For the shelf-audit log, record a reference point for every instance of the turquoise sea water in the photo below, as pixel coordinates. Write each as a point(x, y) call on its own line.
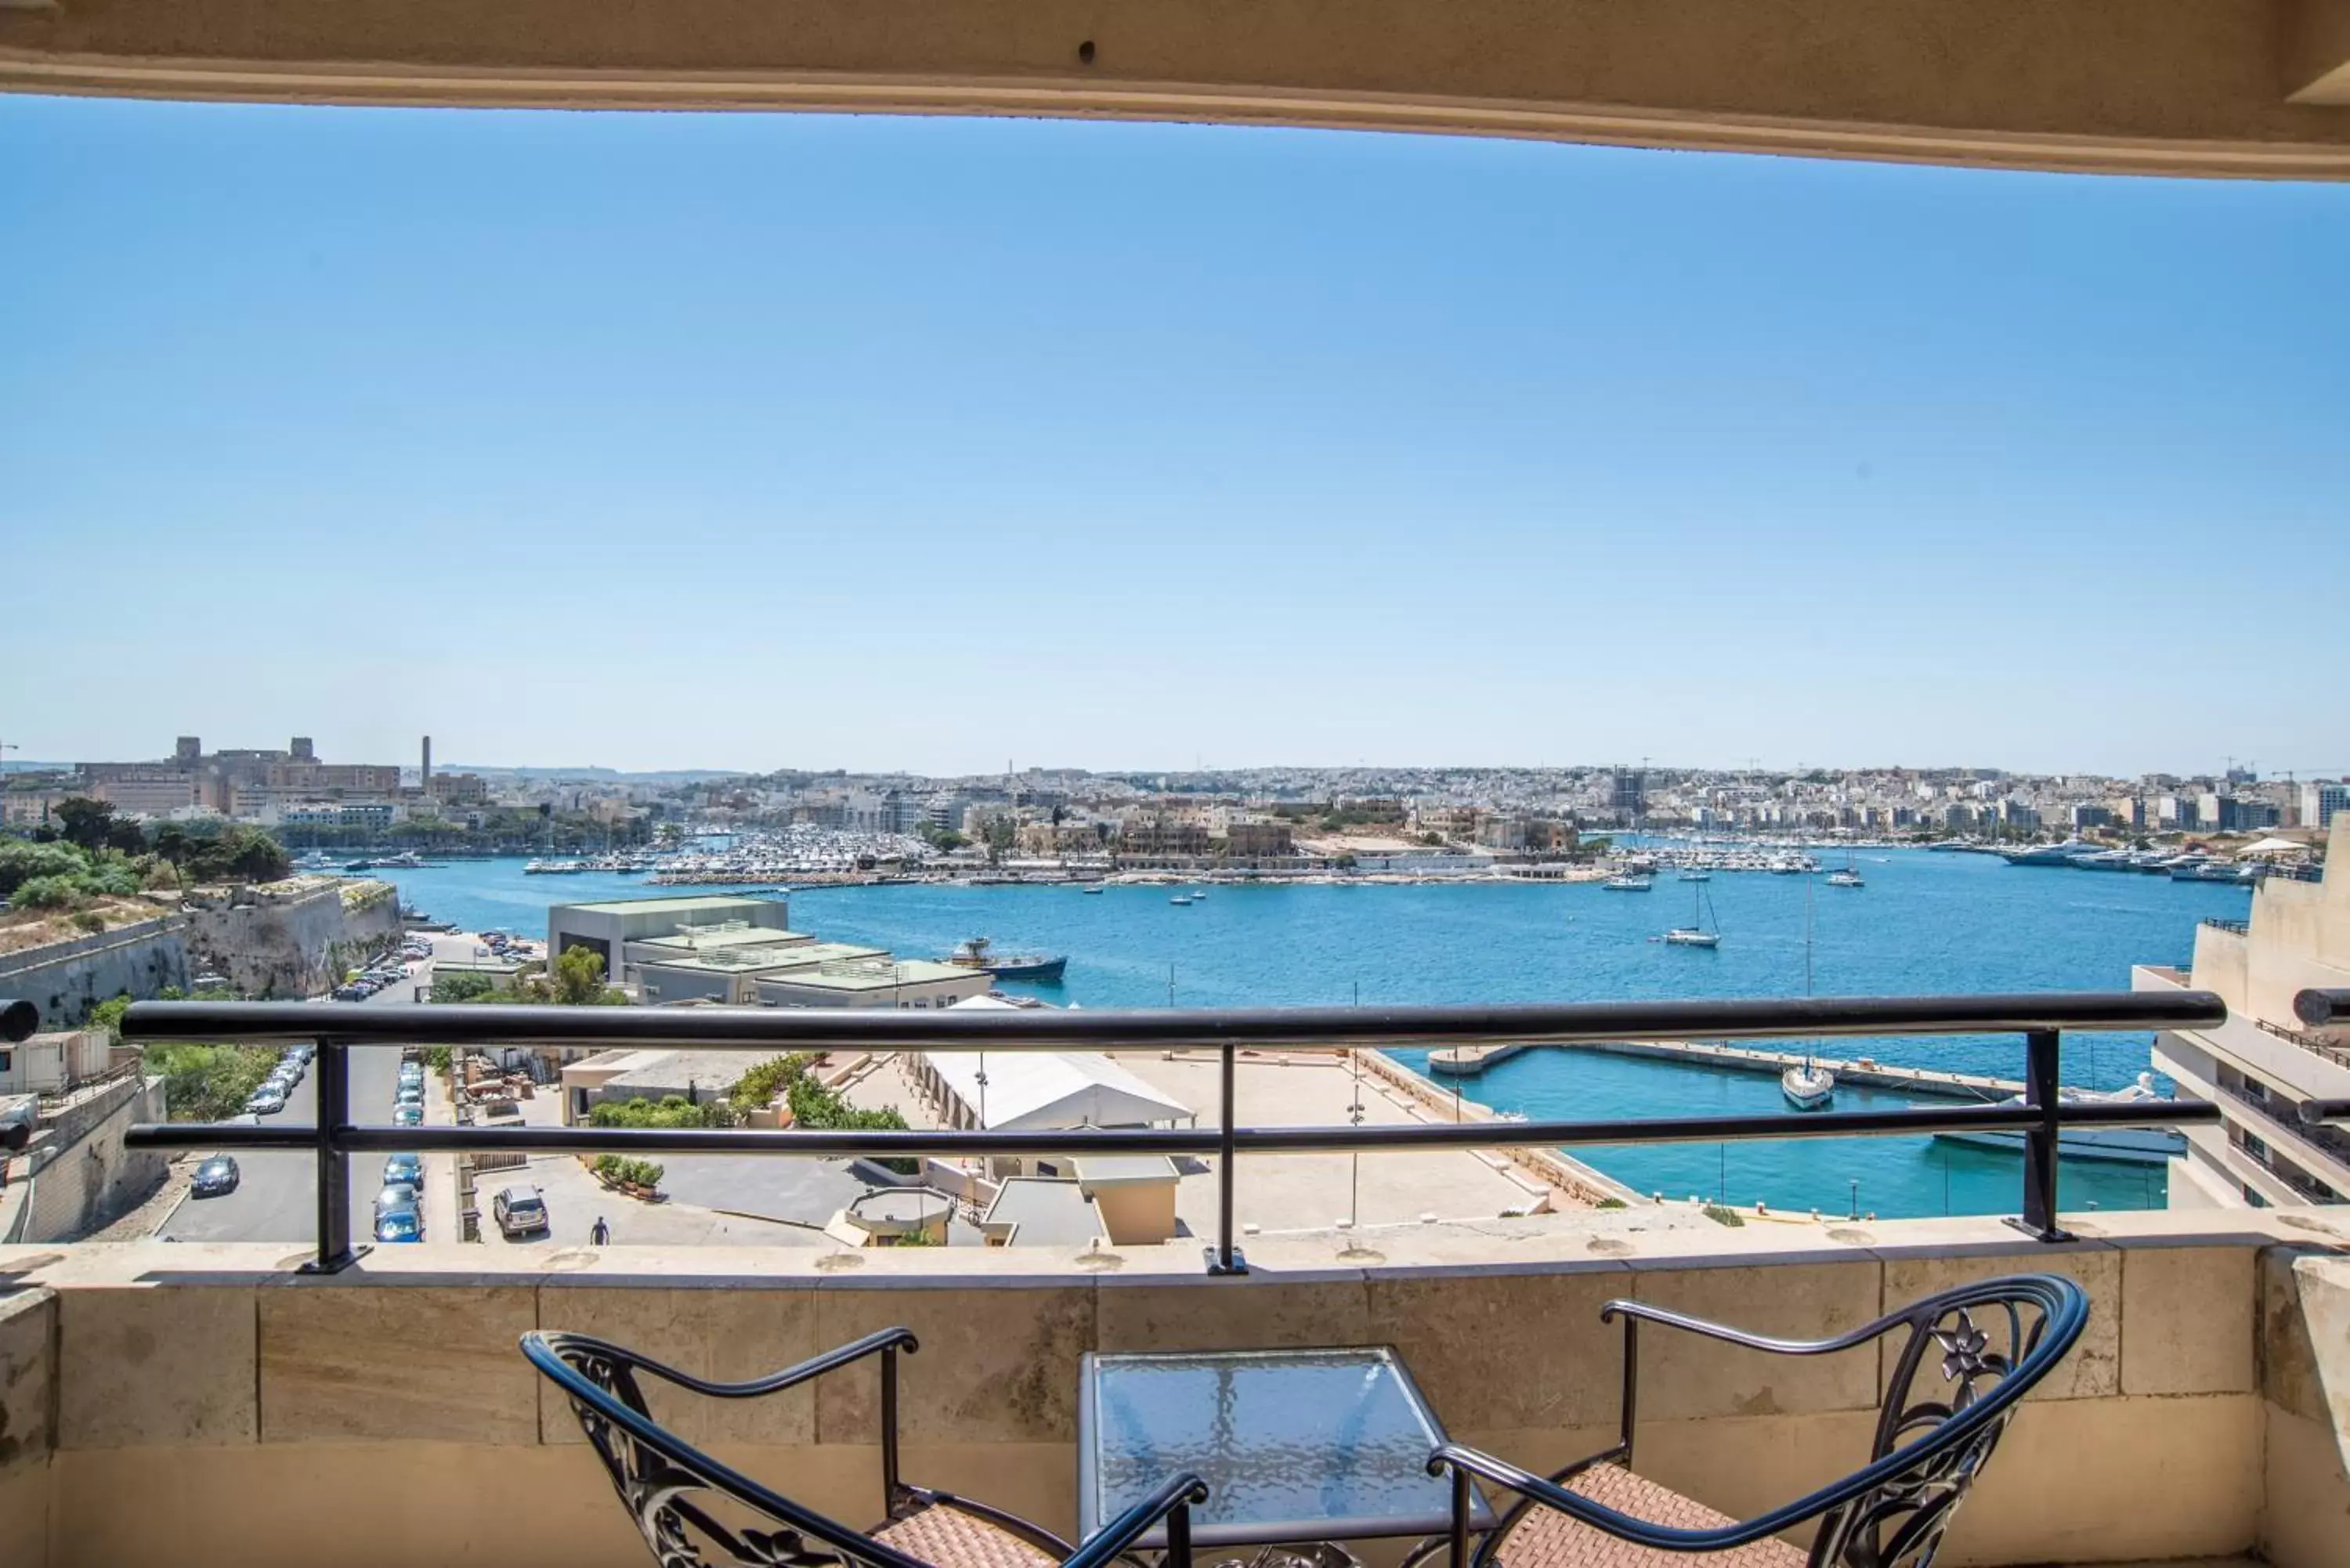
point(1925, 923)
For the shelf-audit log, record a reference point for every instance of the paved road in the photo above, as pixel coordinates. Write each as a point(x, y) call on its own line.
point(277, 1199)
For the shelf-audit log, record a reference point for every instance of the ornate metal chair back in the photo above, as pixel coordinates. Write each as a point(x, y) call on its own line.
point(691, 1509)
point(1970, 1353)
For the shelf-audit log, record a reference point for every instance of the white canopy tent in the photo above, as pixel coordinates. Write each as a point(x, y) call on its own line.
point(1028, 1090)
point(2267, 848)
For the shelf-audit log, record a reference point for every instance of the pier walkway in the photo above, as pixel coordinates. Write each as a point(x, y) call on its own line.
point(1468, 1061)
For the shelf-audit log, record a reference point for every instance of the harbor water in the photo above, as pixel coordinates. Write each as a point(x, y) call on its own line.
point(1925, 923)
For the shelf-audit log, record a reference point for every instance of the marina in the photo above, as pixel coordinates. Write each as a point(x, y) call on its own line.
point(1928, 924)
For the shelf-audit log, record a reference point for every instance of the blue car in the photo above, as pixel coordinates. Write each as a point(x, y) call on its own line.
point(214, 1177)
point(400, 1225)
point(404, 1169)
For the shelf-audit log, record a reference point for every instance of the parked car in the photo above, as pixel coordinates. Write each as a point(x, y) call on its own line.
point(409, 1095)
point(400, 1225)
point(404, 1171)
point(396, 1195)
point(350, 993)
point(519, 1210)
point(411, 1071)
point(214, 1177)
point(408, 1115)
point(266, 1100)
point(302, 1052)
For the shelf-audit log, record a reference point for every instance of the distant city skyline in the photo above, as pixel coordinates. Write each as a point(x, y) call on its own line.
point(1655, 765)
point(686, 440)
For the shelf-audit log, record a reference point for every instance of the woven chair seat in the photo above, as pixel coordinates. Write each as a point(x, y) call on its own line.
point(1546, 1538)
point(946, 1537)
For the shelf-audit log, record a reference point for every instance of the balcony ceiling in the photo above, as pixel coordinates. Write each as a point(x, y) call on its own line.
point(2236, 88)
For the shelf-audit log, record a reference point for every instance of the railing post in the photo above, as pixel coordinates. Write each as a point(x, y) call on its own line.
point(2043, 1093)
point(1223, 1258)
point(333, 1117)
point(893, 1493)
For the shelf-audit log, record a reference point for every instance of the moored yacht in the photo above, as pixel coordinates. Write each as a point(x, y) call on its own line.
point(1808, 1086)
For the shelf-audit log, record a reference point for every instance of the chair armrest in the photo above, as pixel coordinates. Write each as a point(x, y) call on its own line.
point(775, 1382)
point(1711, 1330)
point(1172, 1501)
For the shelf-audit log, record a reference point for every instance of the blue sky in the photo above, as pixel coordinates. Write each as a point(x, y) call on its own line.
point(683, 440)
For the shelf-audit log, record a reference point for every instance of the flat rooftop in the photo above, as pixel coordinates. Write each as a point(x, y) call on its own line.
point(730, 935)
point(702, 903)
point(1044, 1211)
point(871, 975)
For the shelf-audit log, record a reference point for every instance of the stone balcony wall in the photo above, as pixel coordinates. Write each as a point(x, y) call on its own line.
point(164, 1402)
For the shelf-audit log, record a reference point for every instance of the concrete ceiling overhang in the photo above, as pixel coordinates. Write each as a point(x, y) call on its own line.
point(2227, 87)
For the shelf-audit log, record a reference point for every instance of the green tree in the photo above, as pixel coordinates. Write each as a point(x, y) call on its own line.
point(172, 842)
point(578, 980)
point(209, 1083)
point(107, 1015)
point(86, 822)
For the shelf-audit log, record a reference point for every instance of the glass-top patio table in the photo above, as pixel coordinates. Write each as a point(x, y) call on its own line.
point(1294, 1445)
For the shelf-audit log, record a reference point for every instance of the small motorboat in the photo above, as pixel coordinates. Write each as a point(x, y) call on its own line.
point(1691, 937)
point(1845, 879)
point(1091, 887)
point(1627, 884)
point(1179, 898)
point(1808, 1087)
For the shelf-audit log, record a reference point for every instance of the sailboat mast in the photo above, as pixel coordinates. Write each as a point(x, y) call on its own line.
point(1807, 956)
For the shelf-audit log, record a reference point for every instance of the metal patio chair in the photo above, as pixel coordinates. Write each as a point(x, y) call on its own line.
point(693, 1511)
point(1994, 1340)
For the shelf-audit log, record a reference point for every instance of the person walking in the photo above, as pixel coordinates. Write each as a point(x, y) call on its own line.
point(601, 1235)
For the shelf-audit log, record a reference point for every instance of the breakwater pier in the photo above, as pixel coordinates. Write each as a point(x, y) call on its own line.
point(1469, 1061)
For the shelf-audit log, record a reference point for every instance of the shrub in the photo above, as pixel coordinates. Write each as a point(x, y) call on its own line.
point(462, 987)
point(20, 862)
point(764, 1082)
point(672, 1111)
point(1721, 1216)
point(1611, 1203)
point(814, 1105)
point(619, 1169)
point(44, 893)
point(90, 920)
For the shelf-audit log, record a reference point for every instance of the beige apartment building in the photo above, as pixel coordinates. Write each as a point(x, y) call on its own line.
point(2261, 1064)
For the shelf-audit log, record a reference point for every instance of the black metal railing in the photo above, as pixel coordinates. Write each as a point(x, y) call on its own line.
point(2240, 928)
point(2040, 1019)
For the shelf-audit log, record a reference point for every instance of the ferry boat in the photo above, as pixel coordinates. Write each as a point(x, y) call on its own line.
point(2121, 1145)
point(977, 954)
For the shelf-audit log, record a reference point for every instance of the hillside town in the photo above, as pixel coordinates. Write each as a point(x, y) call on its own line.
point(1273, 819)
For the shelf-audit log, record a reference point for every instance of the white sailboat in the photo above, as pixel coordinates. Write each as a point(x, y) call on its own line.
point(1694, 934)
point(1848, 877)
point(1808, 1086)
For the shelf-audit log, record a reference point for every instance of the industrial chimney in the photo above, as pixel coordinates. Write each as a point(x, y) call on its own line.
point(427, 782)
